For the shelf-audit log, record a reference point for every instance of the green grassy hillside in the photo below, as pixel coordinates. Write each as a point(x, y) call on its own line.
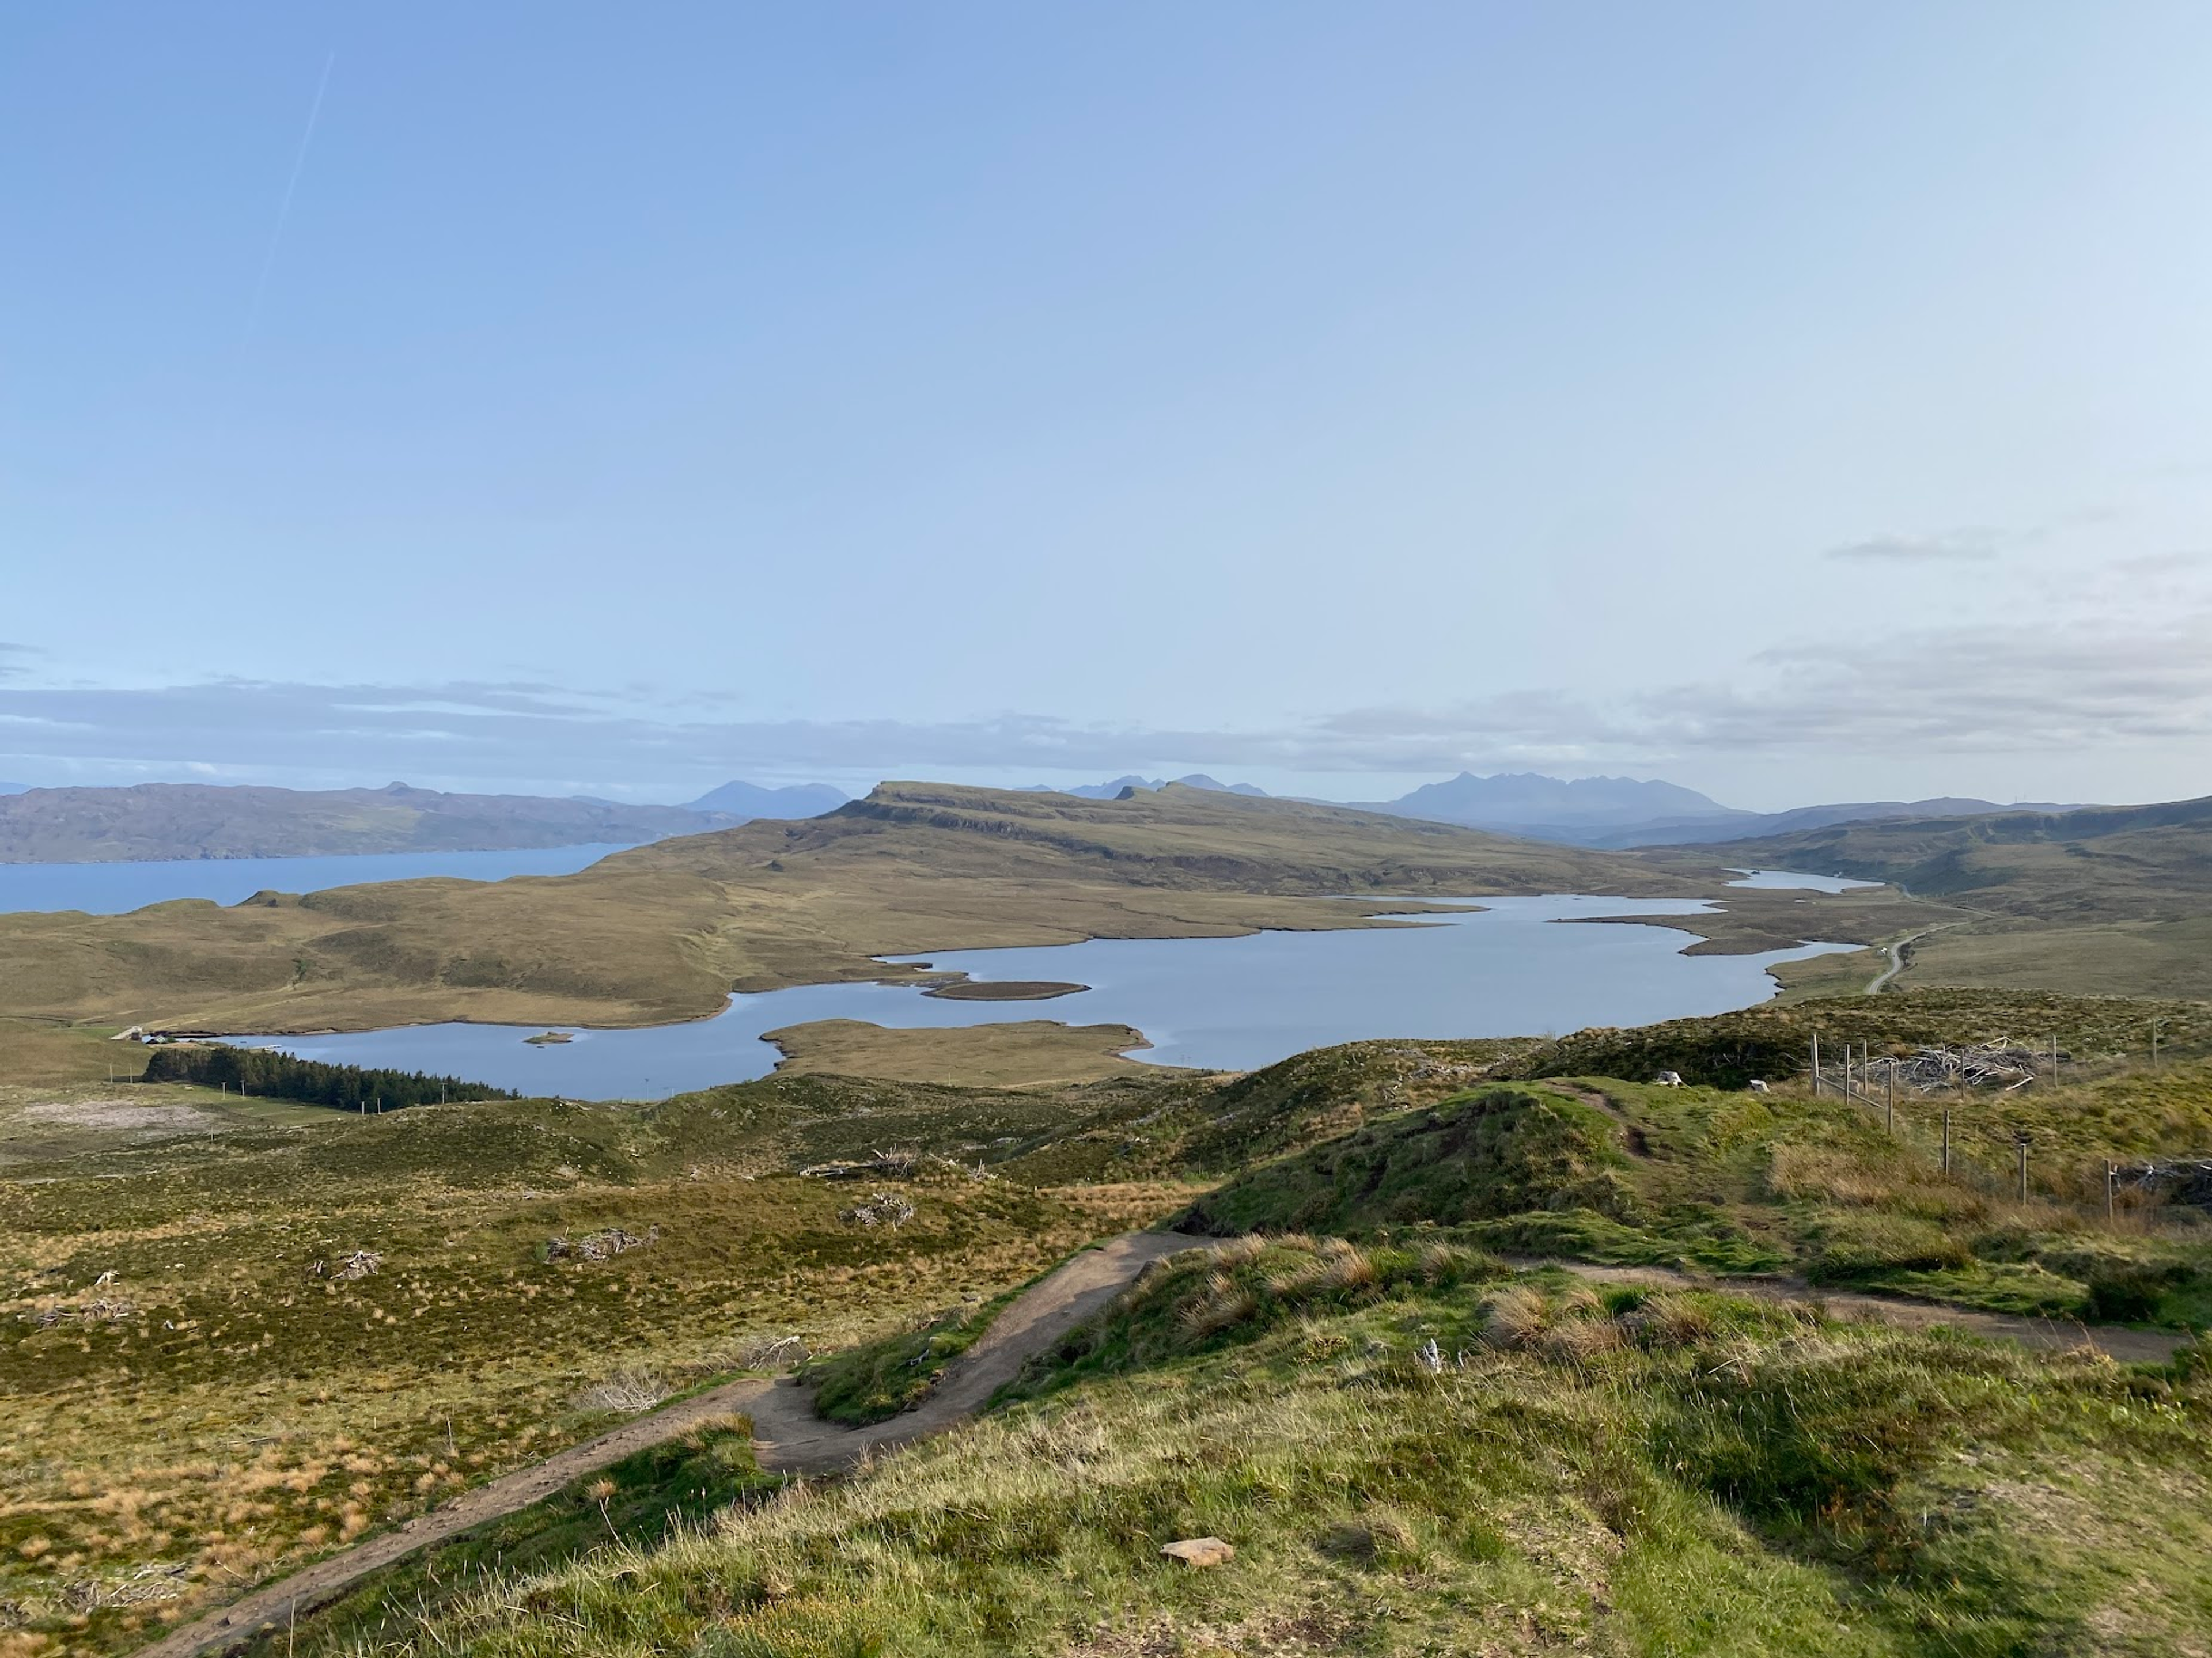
point(1774, 1040)
point(1729, 1181)
point(1412, 1451)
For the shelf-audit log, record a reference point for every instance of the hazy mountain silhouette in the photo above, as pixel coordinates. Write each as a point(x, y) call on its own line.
point(738, 798)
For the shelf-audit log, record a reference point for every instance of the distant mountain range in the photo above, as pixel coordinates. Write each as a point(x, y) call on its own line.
point(1197, 780)
point(163, 821)
point(1614, 813)
point(15, 788)
point(750, 800)
point(1576, 810)
point(158, 822)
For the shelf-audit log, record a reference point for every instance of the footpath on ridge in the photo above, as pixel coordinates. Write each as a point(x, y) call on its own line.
point(788, 1437)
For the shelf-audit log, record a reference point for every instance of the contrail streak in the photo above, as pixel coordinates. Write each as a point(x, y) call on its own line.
point(292, 184)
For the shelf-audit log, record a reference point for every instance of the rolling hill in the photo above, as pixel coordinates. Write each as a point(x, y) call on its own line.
point(2115, 899)
point(667, 931)
point(2098, 863)
point(1743, 826)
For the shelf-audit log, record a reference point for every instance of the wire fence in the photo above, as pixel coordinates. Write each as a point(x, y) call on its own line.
point(1938, 1102)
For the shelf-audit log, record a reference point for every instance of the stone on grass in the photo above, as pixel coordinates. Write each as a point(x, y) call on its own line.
point(1201, 1551)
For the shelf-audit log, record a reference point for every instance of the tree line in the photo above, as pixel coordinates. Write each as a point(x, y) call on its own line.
point(281, 1076)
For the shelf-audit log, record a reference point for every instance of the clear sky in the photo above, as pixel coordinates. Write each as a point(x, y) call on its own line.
point(1799, 402)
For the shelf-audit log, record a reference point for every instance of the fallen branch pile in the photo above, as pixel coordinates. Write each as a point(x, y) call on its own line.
point(599, 1246)
point(2178, 1180)
point(1979, 1064)
point(891, 1209)
point(896, 1165)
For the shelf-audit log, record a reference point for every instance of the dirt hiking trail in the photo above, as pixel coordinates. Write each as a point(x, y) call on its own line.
point(787, 1437)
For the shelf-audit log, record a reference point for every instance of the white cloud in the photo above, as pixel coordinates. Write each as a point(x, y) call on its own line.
point(1992, 683)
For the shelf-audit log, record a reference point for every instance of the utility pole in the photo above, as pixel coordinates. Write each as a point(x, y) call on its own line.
point(1816, 1064)
point(2111, 1179)
point(1889, 1112)
point(1947, 1139)
point(2021, 1147)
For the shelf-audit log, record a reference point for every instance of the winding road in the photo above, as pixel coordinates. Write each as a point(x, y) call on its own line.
point(1880, 980)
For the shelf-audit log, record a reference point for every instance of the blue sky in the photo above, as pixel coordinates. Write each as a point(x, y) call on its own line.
point(1800, 403)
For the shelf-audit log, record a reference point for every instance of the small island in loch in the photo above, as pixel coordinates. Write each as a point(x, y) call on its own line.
point(1009, 990)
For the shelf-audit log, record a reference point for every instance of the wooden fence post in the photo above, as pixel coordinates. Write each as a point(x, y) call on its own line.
point(1947, 1139)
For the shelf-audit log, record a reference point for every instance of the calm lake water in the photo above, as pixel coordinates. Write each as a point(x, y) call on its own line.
point(112, 889)
point(1232, 1004)
point(1790, 879)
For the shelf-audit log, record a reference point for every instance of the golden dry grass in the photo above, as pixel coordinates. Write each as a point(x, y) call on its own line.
point(1033, 1054)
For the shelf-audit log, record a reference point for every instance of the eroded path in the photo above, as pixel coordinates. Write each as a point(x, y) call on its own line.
point(786, 1435)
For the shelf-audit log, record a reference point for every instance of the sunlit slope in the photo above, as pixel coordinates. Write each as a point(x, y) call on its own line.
point(665, 932)
point(1411, 1450)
